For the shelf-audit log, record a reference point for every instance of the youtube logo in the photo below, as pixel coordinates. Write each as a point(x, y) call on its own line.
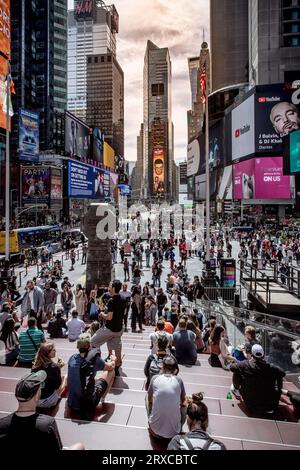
point(237, 133)
point(262, 100)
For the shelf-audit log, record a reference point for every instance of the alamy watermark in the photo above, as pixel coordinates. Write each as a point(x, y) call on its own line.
point(158, 221)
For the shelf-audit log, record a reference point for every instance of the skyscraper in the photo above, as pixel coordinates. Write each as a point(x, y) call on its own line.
point(229, 42)
point(90, 33)
point(39, 62)
point(158, 127)
point(105, 99)
point(137, 172)
point(274, 40)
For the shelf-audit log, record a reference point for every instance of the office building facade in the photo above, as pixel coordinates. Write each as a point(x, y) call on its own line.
point(92, 34)
point(229, 43)
point(158, 154)
point(39, 63)
point(105, 99)
point(274, 41)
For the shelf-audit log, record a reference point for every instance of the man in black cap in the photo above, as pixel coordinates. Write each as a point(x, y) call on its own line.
point(24, 428)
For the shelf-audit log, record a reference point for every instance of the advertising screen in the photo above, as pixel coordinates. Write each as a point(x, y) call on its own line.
point(243, 129)
point(77, 137)
point(276, 115)
point(84, 10)
point(98, 145)
point(158, 170)
point(87, 182)
point(56, 184)
point(125, 190)
point(294, 152)
point(216, 144)
point(5, 40)
point(228, 273)
point(102, 184)
point(28, 135)
point(261, 178)
point(35, 185)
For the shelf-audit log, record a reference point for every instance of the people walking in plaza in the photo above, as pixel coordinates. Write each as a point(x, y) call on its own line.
point(73, 259)
point(32, 303)
point(84, 253)
point(126, 270)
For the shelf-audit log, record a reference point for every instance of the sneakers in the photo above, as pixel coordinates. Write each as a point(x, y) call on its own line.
point(236, 393)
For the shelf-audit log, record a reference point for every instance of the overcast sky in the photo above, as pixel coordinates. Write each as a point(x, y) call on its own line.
point(177, 24)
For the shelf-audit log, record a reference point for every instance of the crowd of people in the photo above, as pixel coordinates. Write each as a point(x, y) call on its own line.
point(170, 305)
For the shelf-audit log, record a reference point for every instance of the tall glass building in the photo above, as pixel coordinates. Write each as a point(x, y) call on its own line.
point(89, 34)
point(39, 62)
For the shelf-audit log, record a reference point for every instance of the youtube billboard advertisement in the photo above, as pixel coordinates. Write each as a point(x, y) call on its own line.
point(261, 178)
point(260, 122)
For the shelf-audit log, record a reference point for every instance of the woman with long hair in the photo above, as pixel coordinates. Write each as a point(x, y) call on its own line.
point(54, 384)
point(219, 353)
point(93, 306)
point(9, 343)
point(197, 421)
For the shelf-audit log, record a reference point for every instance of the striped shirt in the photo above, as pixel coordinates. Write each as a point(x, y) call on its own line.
point(27, 349)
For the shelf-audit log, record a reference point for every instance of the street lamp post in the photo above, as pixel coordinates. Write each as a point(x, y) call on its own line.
point(7, 166)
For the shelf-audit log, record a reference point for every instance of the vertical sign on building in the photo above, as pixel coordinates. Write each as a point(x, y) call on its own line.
point(5, 42)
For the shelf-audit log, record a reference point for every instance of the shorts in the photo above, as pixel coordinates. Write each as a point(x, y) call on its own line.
point(112, 339)
point(50, 401)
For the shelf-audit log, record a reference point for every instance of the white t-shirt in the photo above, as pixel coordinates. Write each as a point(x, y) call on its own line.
point(75, 328)
point(165, 417)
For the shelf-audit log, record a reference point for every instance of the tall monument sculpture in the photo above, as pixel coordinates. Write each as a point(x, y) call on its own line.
point(99, 268)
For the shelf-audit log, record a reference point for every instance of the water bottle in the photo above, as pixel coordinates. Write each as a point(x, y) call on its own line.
point(229, 395)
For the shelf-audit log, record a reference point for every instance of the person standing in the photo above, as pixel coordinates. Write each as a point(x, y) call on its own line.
point(73, 259)
point(50, 298)
point(80, 301)
point(126, 270)
point(84, 253)
point(32, 302)
point(136, 309)
point(148, 254)
point(67, 299)
point(113, 330)
point(161, 300)
point(126, 296)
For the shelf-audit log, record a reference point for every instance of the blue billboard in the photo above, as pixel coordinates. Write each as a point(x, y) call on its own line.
point(29, 136)
point(87, 182)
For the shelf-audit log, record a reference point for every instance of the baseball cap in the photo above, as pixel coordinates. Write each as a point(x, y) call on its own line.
point(84, 342)
point(27, 387)
point(257, 351)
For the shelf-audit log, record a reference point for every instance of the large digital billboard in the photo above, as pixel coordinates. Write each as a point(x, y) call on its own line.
point(158, 170)
point(77, 137)
point(56, 184)
point(5, 44)
point(261, 178)
point(87, 182)
point(276, 115)
point(28, 135)
point(292, 153)
point(263, 119)
point(243, 129)
point(35, 182)
point(194, 158)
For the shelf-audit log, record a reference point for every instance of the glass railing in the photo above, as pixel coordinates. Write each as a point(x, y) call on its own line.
point(280, 337)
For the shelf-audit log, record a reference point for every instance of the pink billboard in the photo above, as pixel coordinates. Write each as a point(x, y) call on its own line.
point(261, 178)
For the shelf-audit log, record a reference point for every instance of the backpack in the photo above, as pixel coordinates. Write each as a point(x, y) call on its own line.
point(155, 366)
point(87, 379)
point(190, 445)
